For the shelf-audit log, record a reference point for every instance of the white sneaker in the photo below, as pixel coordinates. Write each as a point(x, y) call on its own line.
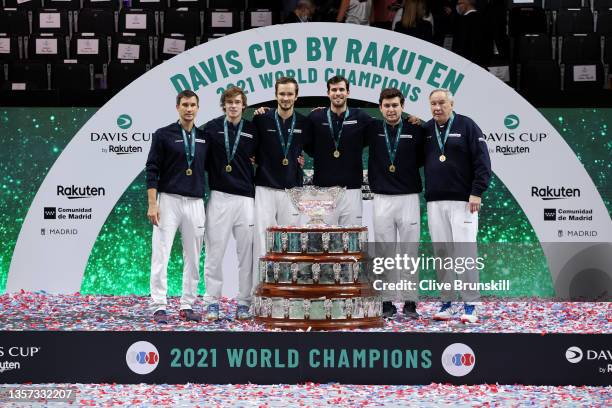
point(469, 314)
point(445, 313)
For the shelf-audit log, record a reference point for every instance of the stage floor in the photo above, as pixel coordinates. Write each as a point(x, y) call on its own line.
point(328, 395)
point(41, 311)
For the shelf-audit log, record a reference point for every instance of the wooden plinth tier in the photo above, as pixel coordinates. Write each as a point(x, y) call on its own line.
point(316, 325)
point(318, 284)
point(313, 291)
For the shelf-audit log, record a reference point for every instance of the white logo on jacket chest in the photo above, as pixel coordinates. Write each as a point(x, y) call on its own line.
point(294, 130)
point(346, 122)
point(242, 134)
point(401, 137)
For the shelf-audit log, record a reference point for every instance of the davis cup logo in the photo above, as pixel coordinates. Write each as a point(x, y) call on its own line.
point(142, 357)
point(574, 354)
point(124, 121)
point(511, 121)
point(458, 359)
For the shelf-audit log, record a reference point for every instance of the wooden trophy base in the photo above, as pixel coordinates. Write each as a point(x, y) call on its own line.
point(316, 325)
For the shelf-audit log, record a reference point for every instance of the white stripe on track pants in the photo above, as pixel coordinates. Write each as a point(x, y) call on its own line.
point(229, 214)
point(188, 216)
point(453, 229)
point(272, 207)
point(398, 216)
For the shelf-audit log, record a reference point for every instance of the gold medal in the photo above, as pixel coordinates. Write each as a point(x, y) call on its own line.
point(285, 162)
point(392, 168)
point(442, 158)
point(336, 154)
point(228, 168)
point(188, 172)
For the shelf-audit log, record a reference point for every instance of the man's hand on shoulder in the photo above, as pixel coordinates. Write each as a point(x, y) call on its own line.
point(413, 120)
point(261, 110)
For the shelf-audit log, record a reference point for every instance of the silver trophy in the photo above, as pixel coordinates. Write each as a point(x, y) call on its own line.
point(316, 202)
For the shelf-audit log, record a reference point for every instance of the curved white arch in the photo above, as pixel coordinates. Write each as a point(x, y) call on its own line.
point(56, 264)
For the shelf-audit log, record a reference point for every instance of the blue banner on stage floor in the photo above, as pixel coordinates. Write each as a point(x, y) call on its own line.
point(290, 358)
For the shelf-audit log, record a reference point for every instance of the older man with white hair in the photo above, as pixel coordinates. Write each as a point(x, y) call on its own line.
point(457, 172)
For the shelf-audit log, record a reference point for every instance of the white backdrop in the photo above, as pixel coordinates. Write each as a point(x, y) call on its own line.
point(526, 151)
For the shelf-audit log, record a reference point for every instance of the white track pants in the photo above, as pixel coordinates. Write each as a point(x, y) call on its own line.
point(453, 229)
point(187, 215)
point(398, 216)
point(229, 214)
point(348, 211)
point(272, 207)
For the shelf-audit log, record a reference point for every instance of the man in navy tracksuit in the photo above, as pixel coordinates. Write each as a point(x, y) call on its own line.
point(457, 172)
point(175, 189)
point(396, 153)
point(336, 143)
point(279, 153)
point(232, 141)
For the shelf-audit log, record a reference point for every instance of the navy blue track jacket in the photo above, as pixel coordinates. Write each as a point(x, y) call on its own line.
point(167, 163)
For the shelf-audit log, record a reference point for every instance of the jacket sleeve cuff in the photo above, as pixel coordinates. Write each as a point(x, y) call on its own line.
point(152, 184)
point(476, 192)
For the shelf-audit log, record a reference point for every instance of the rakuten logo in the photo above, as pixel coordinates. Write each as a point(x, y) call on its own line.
point(554, 193)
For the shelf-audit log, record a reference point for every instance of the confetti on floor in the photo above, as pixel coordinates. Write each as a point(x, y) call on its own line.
point(42, 311)
point(326, 395)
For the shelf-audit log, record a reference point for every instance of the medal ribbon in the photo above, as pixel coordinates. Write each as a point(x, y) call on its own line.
point(331, 127)
point(281, 138)
point(189, 144)
point(393, 151)
point(230, 156)
point(441, 142)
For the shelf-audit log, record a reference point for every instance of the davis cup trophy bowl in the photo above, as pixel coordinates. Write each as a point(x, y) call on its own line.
point(314, 276)
point(315, 202)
